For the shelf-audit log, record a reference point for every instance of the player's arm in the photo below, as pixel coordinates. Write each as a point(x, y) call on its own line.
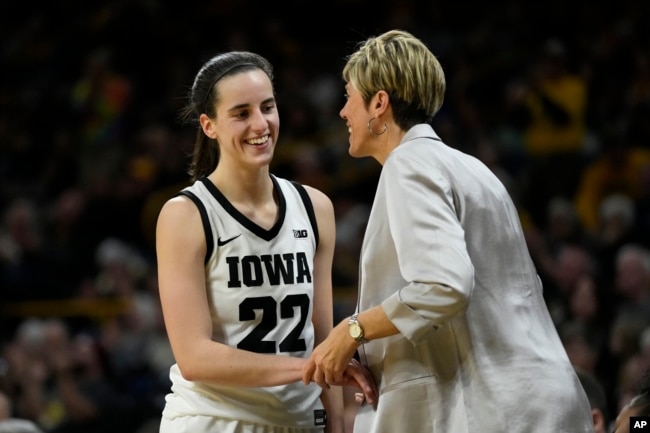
point(323, 316)
point(181, 249)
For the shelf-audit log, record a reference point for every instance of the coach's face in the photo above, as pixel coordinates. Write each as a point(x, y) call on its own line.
point(356, 116)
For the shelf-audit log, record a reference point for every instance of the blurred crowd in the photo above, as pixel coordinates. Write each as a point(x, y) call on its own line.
point(554, 97)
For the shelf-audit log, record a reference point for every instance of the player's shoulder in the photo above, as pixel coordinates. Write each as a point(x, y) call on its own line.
point(319, 199)
point(315, 193)
point(178, 207)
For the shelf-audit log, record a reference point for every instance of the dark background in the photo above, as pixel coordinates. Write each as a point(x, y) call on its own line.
point(91, 145)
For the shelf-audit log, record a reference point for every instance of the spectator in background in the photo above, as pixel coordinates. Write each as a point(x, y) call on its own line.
point(638, 98)
point(580, 346)
point(626, 364)
point(639, 405)
point(85, 388)
point(616, 228)
point(25, 268)
point(629, 340)
point(567, 268)
point(100, 98)
point(550, 110)
point(591, 305)
point(9, 424)
point(597, 399)
point(619, 169)
point(632, 282)
point(61, 381)
point(563, 226)
point(19, 426)
point(5, 406)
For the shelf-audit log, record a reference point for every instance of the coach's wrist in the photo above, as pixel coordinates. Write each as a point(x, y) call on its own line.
point(356, 330)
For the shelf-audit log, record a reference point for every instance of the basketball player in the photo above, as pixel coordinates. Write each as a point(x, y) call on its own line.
point(244, 262)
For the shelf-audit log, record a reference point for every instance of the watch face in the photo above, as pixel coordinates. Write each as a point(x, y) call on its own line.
point(355, 330)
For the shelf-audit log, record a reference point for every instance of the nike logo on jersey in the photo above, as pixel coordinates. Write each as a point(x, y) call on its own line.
point(300, 234)
point(221, 243)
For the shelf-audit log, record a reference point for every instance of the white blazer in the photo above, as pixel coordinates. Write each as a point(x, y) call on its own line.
point(445, 256)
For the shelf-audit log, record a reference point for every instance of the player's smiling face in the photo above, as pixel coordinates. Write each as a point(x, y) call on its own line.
point(247, 122)
point(356, 116)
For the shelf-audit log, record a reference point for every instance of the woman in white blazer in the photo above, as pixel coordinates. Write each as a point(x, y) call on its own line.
point(451, 318)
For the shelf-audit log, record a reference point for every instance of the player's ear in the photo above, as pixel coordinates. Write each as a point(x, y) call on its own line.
point(208, 126)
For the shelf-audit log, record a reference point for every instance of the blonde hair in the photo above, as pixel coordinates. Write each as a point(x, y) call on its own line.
point(402, 65)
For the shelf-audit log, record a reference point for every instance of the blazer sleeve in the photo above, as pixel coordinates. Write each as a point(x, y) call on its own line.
point(430, 245)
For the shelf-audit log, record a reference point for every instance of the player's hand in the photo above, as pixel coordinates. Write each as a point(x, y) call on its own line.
point(358, 376)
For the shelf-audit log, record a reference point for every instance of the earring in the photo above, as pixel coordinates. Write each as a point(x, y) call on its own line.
point(373, 132)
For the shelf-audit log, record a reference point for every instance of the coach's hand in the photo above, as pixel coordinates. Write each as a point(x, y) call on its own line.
point(327, 362)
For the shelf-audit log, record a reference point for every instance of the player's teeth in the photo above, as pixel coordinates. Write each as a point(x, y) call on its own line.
point(258, 140)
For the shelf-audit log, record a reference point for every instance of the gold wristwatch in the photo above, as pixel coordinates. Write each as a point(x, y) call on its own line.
point(356, 330)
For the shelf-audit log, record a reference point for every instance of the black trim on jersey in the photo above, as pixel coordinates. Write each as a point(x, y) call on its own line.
point(267, 235)
point(309, 207)
point(209, 239)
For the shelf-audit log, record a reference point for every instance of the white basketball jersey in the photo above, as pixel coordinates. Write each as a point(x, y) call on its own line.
point(260, 290)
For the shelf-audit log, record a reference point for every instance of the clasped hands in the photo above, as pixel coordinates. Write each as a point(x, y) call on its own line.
point(332, 364)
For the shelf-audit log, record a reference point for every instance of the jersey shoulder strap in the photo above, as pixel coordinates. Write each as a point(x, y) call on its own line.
point(209, 239)
point(309, 207)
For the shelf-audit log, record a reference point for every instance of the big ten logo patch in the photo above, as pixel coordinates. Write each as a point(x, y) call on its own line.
point(300, 234)
point(639, 424)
